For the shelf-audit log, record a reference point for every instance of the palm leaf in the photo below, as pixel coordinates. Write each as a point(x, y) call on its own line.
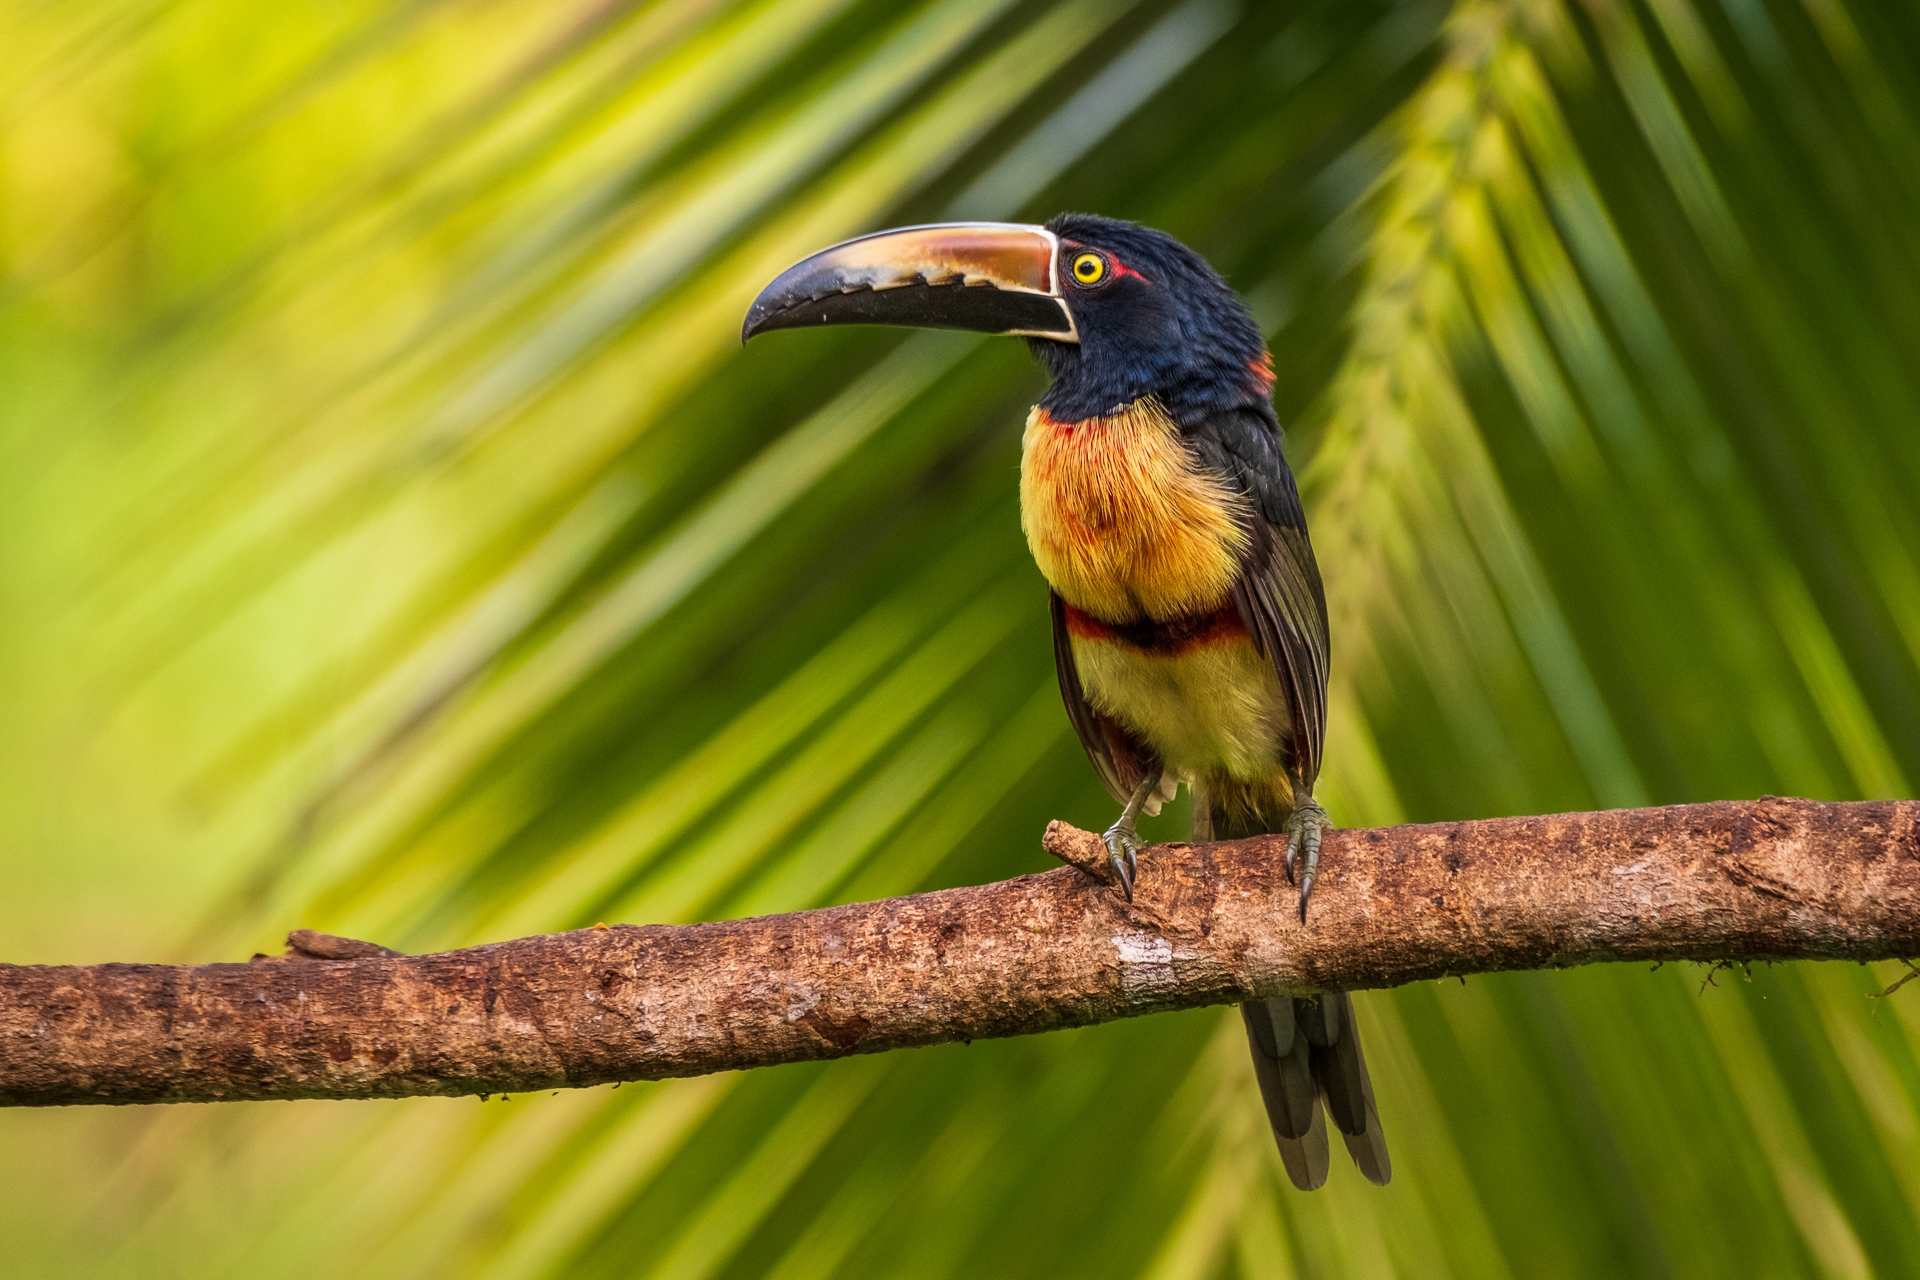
point(403, 547)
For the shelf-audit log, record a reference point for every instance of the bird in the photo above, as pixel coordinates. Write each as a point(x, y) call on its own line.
point(1189, 618)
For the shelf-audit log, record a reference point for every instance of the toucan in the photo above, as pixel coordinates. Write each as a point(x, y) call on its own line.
point(1189, 620)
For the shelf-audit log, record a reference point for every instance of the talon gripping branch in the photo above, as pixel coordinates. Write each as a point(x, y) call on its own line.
point(1189, 623)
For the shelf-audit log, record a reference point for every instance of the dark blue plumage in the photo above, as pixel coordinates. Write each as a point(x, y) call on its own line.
point(1180, 334)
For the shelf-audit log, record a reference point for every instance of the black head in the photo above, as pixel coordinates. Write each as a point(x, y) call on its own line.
point(1153, 319)
point(1117, 311)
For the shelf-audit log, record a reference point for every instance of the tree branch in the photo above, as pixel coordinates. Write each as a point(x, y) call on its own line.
point(1210, 924)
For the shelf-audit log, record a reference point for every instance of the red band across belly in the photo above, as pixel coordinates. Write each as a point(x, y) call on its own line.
point(1174, 636)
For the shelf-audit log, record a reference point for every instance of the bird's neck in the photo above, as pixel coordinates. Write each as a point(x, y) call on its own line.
point(1122, 520)
point(1098, 380)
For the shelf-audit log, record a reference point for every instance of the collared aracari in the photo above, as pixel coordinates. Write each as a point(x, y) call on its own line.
point(1189, 623)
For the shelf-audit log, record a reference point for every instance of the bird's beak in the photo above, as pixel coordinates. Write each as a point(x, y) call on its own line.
point(990, 277)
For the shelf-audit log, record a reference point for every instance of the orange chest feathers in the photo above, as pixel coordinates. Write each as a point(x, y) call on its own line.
point(1122, 520)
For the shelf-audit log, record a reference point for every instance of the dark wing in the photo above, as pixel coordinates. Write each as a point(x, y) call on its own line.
point(1278, 590)
point(1118, 757)
point(1306, 1053)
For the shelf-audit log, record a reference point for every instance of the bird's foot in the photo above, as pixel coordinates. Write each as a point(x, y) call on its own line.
point(1123, 848)
point(1123, 842)
point(1304, 829)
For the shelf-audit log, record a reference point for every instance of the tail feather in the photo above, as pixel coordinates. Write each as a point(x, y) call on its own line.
point(1336, 1059)
point(1306, 1159)
point(1308, 1061)
point(1283, 1064)
point(1342, 1072)
point(1369, 1148)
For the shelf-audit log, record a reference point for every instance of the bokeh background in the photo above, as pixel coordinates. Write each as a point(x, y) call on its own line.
point(395, 540)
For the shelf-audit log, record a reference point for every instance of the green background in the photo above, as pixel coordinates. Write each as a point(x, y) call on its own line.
point(397, 541)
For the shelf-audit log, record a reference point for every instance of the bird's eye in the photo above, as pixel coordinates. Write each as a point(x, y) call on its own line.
point(1089, 268)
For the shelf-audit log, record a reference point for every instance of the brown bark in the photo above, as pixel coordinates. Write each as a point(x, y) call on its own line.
point(1210, 924)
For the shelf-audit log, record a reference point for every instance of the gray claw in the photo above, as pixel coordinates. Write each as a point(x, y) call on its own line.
point(1122, 846)
point(1122, 841)
point(1304, 828)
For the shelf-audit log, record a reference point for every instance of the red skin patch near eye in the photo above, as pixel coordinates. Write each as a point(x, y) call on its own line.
point(1165, 639)
point(1119, 268)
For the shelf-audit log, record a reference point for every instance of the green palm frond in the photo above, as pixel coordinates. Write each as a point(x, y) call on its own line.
point(402, 545)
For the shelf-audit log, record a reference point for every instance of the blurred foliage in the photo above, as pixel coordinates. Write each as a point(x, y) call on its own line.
point(399, 543)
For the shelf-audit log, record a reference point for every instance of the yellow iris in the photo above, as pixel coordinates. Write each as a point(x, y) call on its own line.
point(1089, 268)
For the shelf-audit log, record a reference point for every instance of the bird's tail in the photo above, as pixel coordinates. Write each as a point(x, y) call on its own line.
point(1306, 1055)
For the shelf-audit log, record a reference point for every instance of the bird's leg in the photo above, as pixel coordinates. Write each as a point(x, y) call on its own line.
point(1304, 827)
point(1122, 841)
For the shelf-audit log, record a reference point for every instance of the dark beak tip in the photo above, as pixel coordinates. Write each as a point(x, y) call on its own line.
point(760, 319)
point(766, 313)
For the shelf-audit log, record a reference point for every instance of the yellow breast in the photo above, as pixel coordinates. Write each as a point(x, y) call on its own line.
point(1213, 711)
point(1121, 519)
